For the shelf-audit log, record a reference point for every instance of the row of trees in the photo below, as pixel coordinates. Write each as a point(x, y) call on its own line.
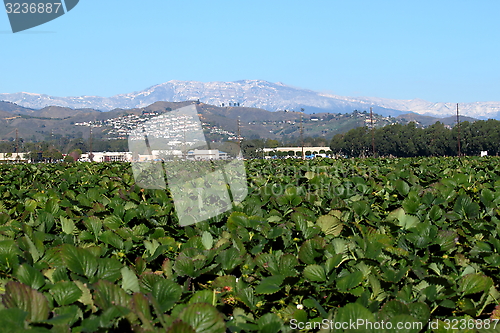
point(253, 148)
point(409, 140)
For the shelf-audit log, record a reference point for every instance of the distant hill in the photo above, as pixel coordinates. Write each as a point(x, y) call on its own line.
point(256, 94)
point(428, 120)
point(34, 125)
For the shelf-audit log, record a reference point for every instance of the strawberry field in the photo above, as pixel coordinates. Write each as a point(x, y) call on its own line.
point(315, 244)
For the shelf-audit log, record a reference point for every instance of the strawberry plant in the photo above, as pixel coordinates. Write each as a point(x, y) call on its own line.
point(84, 249)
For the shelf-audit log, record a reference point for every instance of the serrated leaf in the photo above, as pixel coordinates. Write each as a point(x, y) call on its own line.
point(207, 240)
point(435, 213)
point(269, 323)
point(21, 296)
point(447, 239)
point(203, 296)
point(270, 285)
point(166, 293)
point(247, 296)
point(79, 261)
point(474, 283)
point(185, 266)
point(178, 326)
point(86, 297)
point(349, 281)
point(330, 225)
point(13, 320)
point(229, 259)
point(140, 304)
point(308, 253)
point(30, 276)
point(402, 187)
point(67, 225)
point(225, 281)
point(204, 318)
point(130, 282)
point(109, 237)
point(391, 309)
point(109, 269)
point(361, 208)
point(108, 294)
point(354, 312)
point(315, 273)
point(65, 292)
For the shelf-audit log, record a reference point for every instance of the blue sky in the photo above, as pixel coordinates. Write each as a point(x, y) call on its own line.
point(440, 51)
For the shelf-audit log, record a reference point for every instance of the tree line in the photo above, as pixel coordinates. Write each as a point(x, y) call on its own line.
point(410, 140)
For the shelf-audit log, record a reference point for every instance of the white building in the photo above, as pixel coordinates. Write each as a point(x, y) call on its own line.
point(206, 154)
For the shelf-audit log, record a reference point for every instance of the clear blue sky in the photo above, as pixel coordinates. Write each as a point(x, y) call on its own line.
point(439, 50)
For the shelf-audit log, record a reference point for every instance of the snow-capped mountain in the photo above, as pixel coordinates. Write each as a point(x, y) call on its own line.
point(259, 94)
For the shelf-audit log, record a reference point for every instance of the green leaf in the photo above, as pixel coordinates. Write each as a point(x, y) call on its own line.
point(269, 323)
point(86, 297)
point(315, 273)
point(35, 254)
point(308, 253)
point(229, 259)
point(108, 294)
point(109, 237)
point(166, 293)
point(52, 207)
point(354, 312)
point(361, 208)
point(66, 315)
point(330, 225)
point(203, 296)
point(8, 255)
point(207, 240)
point(247, 296)
point(21, 296)
point(178, 326)
point(109, 269)
point(65, 293)
point(93, 224)
point(402, 219)
point(474, 283)
point(30, 276)
point(112, 222)
point(402, 187)
point(13, 320)
point(224, 281)
point(435, 213)
point(130, 282)
point(30, 205)
point(79, 261)
point(270, 285)
point(447, 239)
point(204, 318)
point(392, 309)
point(67, 225)
point(349, 281)
point(140, 304)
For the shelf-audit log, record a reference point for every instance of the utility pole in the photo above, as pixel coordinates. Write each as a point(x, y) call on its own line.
point(373, 134)
point(91, 156)
point(458, 124)
point(302, 137)
point(239, 135)
point(17, 145)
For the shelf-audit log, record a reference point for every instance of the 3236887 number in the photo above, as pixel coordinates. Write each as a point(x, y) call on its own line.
point(32, 8)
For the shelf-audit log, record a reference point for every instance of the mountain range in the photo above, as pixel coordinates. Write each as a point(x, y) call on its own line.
point(255, 94)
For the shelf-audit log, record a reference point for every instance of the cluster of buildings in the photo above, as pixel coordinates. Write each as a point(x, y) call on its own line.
point(157, 155)
point(217, 130)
